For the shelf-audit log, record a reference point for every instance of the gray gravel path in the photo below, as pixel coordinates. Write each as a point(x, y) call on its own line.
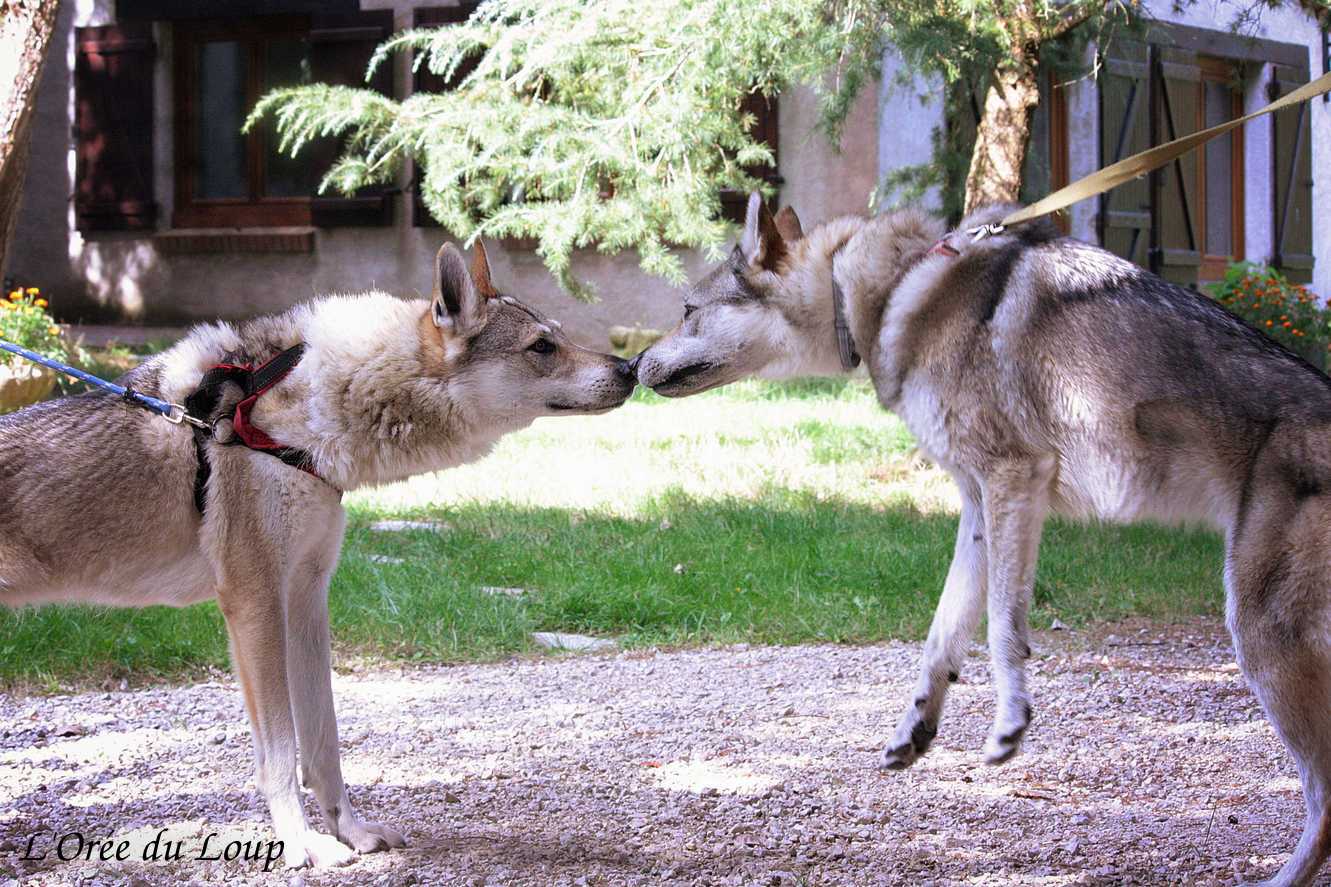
point(1148, 763)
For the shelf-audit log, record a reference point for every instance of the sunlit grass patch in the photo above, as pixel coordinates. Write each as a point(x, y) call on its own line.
point(759, 512)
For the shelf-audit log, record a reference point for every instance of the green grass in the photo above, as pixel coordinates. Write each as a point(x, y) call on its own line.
point(765, 513)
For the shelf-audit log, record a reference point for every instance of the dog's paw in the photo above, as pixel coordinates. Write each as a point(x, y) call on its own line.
point(1004, 740)
point(911, 740)
point(318, 850)
point(371, 837)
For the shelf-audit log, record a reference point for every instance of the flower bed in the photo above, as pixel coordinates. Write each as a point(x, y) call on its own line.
point(25, 321)
point(1287, 312)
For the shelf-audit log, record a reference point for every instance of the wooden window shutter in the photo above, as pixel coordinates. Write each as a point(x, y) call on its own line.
point(340, 48)
point(113, 128)
point(1176, 252)
point(1125, 105)
point(1292, 180)
point(425, 80)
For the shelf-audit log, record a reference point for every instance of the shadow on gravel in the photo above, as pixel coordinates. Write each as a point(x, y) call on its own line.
point(1148, 763)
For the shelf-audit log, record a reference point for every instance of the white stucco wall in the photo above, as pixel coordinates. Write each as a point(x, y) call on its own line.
point(125, 276)
point(911, 112)
point(1083, 103)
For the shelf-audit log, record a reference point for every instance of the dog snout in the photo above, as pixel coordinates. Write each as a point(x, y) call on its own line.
point(649, 369)
point(625, 371)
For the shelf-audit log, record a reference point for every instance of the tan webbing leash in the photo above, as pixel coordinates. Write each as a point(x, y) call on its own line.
point(1147, 161)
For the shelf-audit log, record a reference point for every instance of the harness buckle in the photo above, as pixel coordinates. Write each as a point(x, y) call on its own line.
point(179, 415)
point(983, 231)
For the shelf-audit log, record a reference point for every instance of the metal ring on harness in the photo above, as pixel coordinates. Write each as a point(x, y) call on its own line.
point(252, 382)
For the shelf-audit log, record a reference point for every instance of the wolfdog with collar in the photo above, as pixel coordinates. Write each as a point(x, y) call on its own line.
point(1046, 375)
point(102, 502)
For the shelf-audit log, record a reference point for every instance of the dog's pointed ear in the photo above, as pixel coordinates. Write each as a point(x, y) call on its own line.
point(457, 306)
point(480, 271)
point(788, 223)
point(761, 243)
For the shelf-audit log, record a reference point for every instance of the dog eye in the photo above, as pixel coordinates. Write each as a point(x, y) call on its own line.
point(689, 309)
point(542, 346)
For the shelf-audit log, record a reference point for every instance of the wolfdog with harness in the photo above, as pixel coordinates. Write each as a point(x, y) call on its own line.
point(101, 502)
point(1049, 376)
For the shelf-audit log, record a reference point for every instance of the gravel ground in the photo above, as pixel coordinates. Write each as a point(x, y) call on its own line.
point(1148, 763)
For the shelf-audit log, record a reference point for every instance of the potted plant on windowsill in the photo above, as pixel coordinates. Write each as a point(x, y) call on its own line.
point(24, 321)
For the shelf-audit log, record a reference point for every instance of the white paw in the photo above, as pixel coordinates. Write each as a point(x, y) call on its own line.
point(311, 848)
point(370, 837)
point(911, 741)
point(1005, 735)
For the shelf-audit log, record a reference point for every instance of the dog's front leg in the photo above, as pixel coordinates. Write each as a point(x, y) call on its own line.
point(250, 600)
point(950, 634)
point(1016, 501)
point(316, 720)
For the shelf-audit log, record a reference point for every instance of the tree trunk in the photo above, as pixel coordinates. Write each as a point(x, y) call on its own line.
point(1004, 130)
point(26, 27)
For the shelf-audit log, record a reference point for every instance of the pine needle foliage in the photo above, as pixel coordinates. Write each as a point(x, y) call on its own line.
point(615, 124)
point(611, 125)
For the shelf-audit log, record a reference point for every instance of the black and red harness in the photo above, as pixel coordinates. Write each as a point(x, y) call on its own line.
point(253, 382)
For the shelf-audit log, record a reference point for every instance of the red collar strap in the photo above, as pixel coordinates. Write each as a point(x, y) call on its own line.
point(253, 382)
point(943, 248)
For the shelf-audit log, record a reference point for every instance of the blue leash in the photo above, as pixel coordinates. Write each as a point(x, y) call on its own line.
point(172, 412)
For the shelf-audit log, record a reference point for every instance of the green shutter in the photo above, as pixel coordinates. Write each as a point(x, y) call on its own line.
point(1125, 129)
point(1292, 180)
point(1176, 253)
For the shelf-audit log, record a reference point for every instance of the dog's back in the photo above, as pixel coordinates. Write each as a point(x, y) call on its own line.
point(84, 482)
point(1151, 394)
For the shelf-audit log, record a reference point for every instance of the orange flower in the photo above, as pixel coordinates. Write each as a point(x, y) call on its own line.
point(41, 303)
point(32, 291)
point(1286, 325)
point(1270, 323)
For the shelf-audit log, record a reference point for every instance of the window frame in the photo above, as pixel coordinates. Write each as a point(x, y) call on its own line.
point(425, 80)
point(255, 210)
point(766, 111)
point(1221, 70)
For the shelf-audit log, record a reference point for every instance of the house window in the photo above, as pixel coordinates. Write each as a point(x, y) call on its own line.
point(1046, 166)
point(427, 81)
point(228, 179)
point(224, 177)
point(1220, 172)
point(1186, 220)
point(763, 109)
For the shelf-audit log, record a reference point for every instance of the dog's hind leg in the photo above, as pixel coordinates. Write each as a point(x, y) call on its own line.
point(1278, 575)
point(950, 634)
point(312, 698)
point(1016, 502)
